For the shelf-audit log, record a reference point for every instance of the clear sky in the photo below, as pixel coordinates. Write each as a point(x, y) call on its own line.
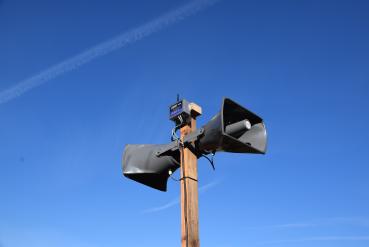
point(303, 66)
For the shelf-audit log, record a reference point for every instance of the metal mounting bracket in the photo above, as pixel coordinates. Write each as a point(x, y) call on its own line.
point(174, 145)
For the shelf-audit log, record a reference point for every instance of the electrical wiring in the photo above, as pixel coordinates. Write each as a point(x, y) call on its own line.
point(174, 137)
point(181, 147)
point(211, 160)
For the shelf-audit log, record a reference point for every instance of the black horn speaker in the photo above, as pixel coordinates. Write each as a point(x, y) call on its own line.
point(234, 129)
point(142, 164)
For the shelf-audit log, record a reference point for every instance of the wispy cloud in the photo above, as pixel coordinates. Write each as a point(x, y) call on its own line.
point(104, 48)
point(355, 221)
point(281, 226)
point(162, 207)
point(321, 238)
point(176, 200)
point(316, 223)
point(208, 186)
point(41, 236)
point(322, 223)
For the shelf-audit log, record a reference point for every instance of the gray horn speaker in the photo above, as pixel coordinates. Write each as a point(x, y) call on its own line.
point(234, 129)
point(141, 163)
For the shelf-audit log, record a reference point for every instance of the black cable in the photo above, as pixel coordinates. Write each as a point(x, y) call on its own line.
point(183, 178)
point(181, 150)
point(174, 136)
point(211, 161)
point(184, 191)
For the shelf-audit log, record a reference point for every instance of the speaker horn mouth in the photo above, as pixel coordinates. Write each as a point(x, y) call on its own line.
point(140, 163)
point(234, 129)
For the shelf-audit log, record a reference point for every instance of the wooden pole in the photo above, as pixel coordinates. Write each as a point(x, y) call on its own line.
point(189, 192)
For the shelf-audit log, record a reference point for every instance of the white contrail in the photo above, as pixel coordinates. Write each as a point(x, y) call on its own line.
point(175, 201)
point(106, 47)
point(358, 222)
point(317, 239)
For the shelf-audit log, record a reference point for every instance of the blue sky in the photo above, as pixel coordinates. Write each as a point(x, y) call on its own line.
point(301, 65)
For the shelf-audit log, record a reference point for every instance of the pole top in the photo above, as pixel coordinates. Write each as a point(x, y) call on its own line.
point(195, 109)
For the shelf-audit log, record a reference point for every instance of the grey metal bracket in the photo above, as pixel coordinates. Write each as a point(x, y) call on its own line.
point(174, 145)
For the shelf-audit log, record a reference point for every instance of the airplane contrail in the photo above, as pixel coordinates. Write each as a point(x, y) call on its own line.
point(318, 239)
point(122, 40)
point(176, 200)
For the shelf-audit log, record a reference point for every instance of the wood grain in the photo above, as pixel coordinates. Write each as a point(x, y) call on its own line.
point(189, 193)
